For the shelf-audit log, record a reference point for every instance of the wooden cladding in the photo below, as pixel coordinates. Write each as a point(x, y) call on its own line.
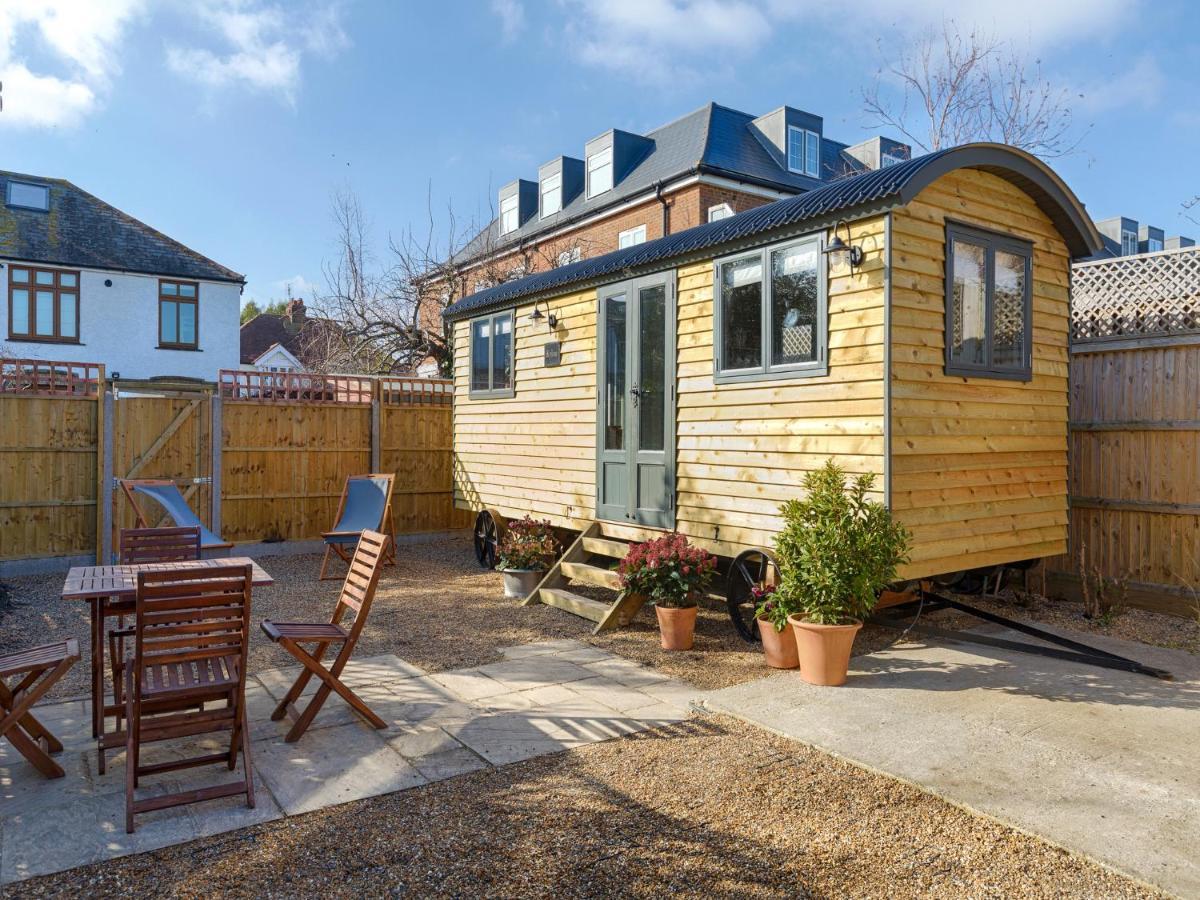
point(43, 304)
point(50, 378)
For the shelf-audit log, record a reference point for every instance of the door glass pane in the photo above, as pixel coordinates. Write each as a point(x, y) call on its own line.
point(20, 312)
point(614, 373)
point(44, 321)
point(187, 323)
point(1008, 340)
point(168, 322)
point(794, 323)
point(66, 315)
point(652, 367)
point(502, 354)
point(741, 314)
point(481, 353)
point(968, 305)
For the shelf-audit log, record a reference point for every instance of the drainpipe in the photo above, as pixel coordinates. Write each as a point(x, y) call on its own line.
point(658, 195)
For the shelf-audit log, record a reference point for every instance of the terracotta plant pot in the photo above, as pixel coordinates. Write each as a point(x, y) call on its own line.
point(824, 650)
point(521, 582)
point(779, 647)
point(676, 627)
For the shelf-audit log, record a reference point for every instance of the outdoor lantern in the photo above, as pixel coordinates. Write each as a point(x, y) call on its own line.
point(537, 316)
point(841, 253)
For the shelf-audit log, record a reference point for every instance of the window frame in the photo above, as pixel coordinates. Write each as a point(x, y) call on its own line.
point(991, 241)
point(631, 232)
point(804, 135)
point(8, 195)
point(542, 211)
point(766, 371)
point(515, 209)
point(1129, 239)
point(492, 393)
point(611, 172)
point(177, 299)
point(1150, 245)
point(31, 287)
point(725, 210)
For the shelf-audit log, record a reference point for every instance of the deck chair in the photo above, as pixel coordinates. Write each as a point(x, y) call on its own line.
point(366, 505)
point(358, 592)
point(190, 640)
point(35, 671)
point(167, 495)
point(142, 545)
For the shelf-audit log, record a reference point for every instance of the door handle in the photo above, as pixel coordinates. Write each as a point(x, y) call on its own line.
point(636, 393)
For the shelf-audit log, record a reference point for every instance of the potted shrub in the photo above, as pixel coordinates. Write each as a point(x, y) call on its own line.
point(838, 548)
point(778, 640)
point(672, 573)
point(525, 552)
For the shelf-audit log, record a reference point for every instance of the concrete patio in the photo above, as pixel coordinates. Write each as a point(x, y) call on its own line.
point(1101, 762)
point(541, 698)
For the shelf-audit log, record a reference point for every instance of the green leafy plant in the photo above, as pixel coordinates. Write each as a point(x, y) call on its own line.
point(528, 543)
point(668, 570)
point(838, 548)
point(770, 606)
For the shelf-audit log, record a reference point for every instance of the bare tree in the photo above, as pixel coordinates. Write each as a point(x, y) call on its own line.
point(1191, 209)
point(950, 88)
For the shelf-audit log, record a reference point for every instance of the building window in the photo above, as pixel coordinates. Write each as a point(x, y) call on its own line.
point(600, 172)
point(631, 237)
point(1129, 243)
point(1153, 245)
point(567, 257)
point(804, 151)
point(508, 214)
point(43, 305)
point(178, 315)
point(720, 211)
point(989, 279)
point(492, 356)
point(886, 159)
point(28, 196)
point(770, 315)
point(551, 194)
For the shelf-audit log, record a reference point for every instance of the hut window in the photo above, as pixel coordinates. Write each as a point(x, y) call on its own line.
point(988, 304)
point(491, 356)
point(770, 318)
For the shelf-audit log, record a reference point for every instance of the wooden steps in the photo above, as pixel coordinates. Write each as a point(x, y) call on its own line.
point(588, 561)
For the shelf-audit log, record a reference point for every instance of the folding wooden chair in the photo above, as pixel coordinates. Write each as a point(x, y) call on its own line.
point(190, 640)
point(40, 668)
point(141, 545)
point(166, 494)
point(366, 505)
point(358, 592)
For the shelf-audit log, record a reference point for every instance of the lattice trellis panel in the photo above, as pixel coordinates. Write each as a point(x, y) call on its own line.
point(1133, 296)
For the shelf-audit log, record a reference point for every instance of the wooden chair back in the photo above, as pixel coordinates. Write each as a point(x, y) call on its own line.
point(358, 589)
point(147, 545)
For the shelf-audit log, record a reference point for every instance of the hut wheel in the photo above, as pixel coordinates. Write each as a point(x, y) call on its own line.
point(751, 569)
point(488, 528)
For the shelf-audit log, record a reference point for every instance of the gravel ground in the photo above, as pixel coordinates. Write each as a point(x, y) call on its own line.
point(439, 610)
point(710, 807)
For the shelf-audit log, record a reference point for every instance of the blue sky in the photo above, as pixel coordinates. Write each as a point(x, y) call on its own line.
point(228, 124)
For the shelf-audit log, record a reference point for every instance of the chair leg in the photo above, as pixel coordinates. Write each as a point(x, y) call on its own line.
point(325, 563)
point(130, 760)
point(247, 763)
point(329, 682)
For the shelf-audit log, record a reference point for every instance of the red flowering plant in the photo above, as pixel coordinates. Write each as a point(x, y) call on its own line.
point(528, 544)
point(668, 570)
point(770, 607)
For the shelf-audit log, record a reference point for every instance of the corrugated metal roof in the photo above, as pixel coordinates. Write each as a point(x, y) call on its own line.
point(859, 194)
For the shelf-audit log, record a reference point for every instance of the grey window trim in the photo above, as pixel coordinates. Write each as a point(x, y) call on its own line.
point(815, 369)
point(492, 394)
point(991, 241)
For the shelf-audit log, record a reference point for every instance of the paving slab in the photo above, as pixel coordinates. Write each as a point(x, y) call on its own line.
point(1096, 760)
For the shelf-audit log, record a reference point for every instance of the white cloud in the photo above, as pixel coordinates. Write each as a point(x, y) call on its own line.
point(1141, 85)
point(300, 287)
point(78, 48)
point(262, 46)
point(512, 17)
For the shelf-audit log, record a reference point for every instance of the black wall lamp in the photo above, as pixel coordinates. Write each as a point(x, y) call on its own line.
point(550, 318)
point(841, 252)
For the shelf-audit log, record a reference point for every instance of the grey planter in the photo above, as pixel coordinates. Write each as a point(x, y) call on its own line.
point(521, 582)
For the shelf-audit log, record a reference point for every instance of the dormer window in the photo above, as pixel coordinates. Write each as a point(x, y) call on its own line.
point(1153, 245)
point(28, 196)
point(600, 172)
point(551, 194)
point(509, 217)
point(804, 152)
point(1129, 243)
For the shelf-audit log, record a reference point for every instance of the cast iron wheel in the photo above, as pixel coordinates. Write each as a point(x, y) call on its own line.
point(487, 538)
point(751, 569)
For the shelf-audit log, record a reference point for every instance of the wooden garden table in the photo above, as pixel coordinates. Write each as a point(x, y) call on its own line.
point(111, 590)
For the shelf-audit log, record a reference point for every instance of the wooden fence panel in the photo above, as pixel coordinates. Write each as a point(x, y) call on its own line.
point(415, 444)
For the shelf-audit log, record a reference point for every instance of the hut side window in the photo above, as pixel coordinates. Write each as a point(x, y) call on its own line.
point(988, 304)
point(770, 317)
point(491, 356)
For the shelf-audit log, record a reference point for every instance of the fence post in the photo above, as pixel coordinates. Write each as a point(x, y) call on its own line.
point(104, 490)
point(376, 424)
point(216, 439)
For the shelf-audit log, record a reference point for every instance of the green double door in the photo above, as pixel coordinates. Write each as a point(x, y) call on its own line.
point(635, 446)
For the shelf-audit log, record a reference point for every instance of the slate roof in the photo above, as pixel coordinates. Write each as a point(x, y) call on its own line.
point(867, 193)
point(266, 330)
point(82, 230)
point(713, 139)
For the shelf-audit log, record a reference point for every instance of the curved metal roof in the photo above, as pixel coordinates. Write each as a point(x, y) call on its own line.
point(869, 193)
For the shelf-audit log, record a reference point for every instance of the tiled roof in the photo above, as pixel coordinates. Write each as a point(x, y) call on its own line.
point(867, 193)
point(82, 230)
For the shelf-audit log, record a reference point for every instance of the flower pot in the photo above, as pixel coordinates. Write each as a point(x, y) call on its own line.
point(521, 582)
point(676, 627)
point(779, 647)
point(824, 650)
